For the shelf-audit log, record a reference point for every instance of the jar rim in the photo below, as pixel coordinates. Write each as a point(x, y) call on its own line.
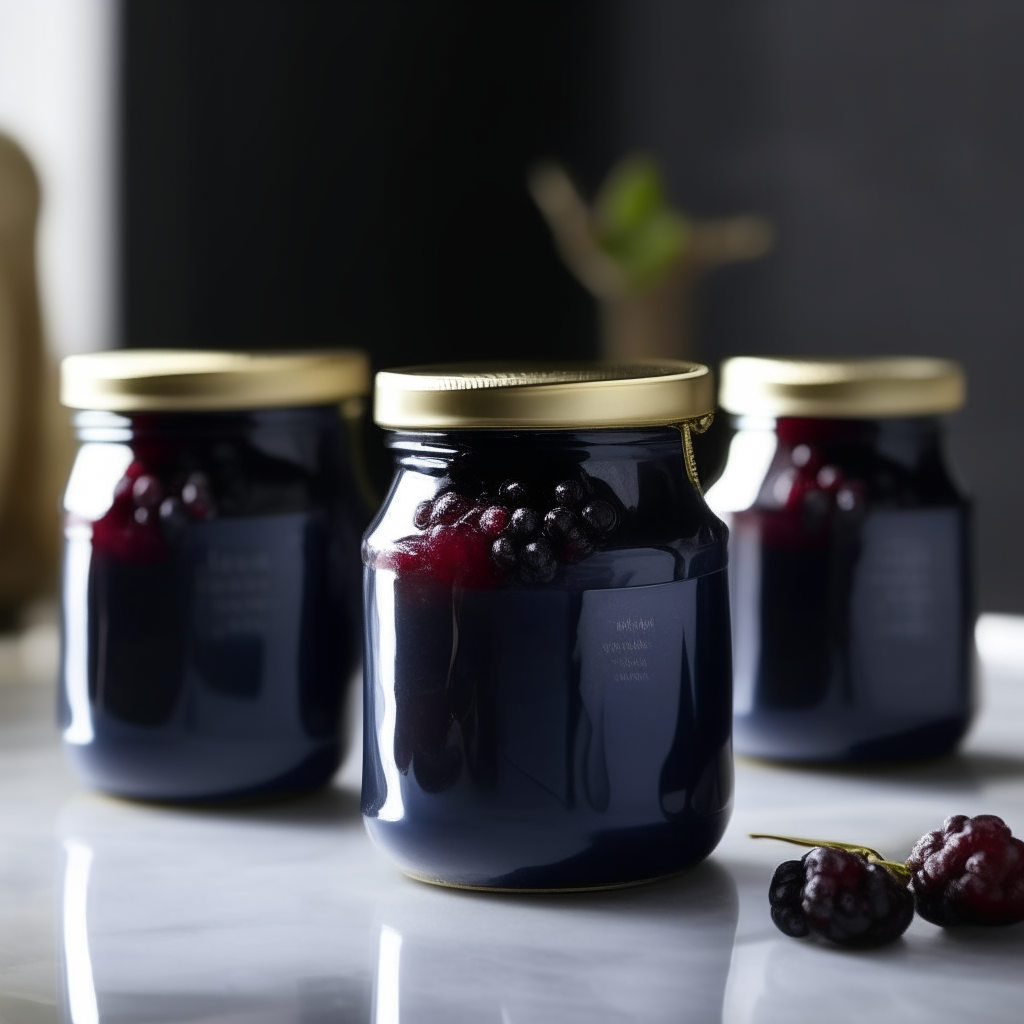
point(841, 388)
point(139, 380)
point(543, 395)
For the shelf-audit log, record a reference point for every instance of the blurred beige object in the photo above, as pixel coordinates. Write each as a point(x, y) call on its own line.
point(34, 439)
point(31, 654)
point(651, 317)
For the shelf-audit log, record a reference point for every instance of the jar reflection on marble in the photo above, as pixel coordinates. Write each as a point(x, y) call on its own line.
point(243, 915)
point(547, 685)
point(211, 604)
point(850, 558)
point(655, 954)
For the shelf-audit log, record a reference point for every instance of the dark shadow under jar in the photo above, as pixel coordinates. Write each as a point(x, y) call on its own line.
point(547, 658)
point(211, 596)
point(850, 561)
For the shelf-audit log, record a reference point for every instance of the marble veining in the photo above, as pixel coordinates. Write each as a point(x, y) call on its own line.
point(117, 912)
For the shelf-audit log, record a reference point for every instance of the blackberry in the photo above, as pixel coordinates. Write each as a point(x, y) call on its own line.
point(576, 547)
point(784, 896)
point(569, 492)
point(538, 561)
point(493, 520)
point(600, 517)
point(448, 509)
point(512, 493)
point(147, 491)
point(842, 897)
point(196, 496)
point(504, 553)
point(524, 523)
point(421, 517)
point(571, 540)
point(970, 871)
point(471, 517)
point(829, 477)
point(561, 523)
point(173, 518)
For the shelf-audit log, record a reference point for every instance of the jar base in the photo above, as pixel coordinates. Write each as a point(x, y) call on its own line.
point(140, 778)
point(545, 890)
point(543, 856)
point(805, 740)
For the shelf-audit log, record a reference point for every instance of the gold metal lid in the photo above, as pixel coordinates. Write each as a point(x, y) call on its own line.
point(563, 395)
point(138, 380)
point(841, 388)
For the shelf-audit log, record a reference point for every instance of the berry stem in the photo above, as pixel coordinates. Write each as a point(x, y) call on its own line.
point(899, 871)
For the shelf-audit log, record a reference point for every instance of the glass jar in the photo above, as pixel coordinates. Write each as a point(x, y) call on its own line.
point(850, 559)
point(547, 661)
point(211, 604)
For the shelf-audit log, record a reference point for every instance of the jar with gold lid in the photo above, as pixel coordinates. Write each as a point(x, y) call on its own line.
point(211, 596)
point(849, 558)
point(547, 667)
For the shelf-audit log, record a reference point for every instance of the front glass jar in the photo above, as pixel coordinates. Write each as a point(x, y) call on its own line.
point(547, 661)
point(850, 559)
point(211, 604)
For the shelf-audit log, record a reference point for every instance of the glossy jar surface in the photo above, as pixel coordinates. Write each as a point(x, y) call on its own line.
point(851, 589)
point(547, 663)
point(211, 601)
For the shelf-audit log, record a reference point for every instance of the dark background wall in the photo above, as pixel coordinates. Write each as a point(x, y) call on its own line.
point(307, 173)
point(352, 173)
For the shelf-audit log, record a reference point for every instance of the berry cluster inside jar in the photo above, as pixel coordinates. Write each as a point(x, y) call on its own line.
point(828, 472)
point(482, 534)
point(814, 482)
point(148, 513)
point(187, 469)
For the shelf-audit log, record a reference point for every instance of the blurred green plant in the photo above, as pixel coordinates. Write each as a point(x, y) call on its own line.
point(636, 225)
point(641, 258)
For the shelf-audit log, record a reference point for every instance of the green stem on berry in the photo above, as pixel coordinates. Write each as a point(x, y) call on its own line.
point(899, 871)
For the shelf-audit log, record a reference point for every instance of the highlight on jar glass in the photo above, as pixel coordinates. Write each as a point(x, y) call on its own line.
point(850, 563)
point(211, 594)
point(547, 662)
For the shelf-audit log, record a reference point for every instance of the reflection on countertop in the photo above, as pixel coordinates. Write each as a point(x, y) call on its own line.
point(285, 912)
point(289, 915)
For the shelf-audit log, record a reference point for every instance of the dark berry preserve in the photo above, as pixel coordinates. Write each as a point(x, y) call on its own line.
point(850, 559)
point(547, 661)
point(211, 604)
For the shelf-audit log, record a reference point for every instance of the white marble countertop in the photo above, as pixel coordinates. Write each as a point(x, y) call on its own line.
point(118, 912)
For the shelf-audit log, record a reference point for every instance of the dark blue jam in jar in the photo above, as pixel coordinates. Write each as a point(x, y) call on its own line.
point(850, 559)
point(547, 663)
point(211, 596)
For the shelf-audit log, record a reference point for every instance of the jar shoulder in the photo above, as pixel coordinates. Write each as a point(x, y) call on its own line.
point(599, 519)
point(765, 473)
point(241, 466)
